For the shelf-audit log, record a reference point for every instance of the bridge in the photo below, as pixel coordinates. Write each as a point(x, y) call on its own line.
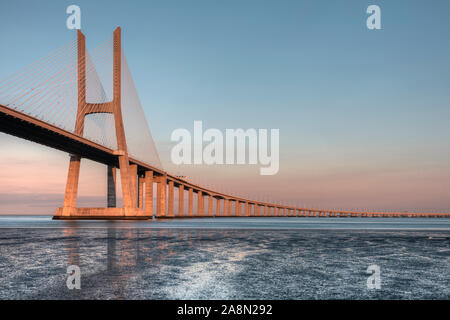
point(62, 102)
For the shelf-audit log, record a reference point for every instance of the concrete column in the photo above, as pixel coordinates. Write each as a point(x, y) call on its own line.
point(161, 196)
point(218, 213)
point(210, 205)
point(81, 53)
point(141, 192)
point(129, 199)
point(133, 181)
point(190, 201)
point(200, 203)
point(181, 200)
point(71, 194)
point(246, 209)
point(285, 212)
point(238, 208)
point(148, 193)
point(112, 199)
point(225, 207)
point(171, 199)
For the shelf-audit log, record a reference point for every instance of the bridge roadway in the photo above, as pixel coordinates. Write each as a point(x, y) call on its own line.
point(30, 128)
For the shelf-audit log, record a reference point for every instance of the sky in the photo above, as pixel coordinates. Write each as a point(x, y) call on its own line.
point(363, 114)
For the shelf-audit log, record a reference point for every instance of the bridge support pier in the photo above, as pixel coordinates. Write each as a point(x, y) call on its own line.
point(200, 203)
point(148, 193)
point(218, 213)
point(161, 196)
point(133, 182)
point(210, 205)
point(71, 194)
point(112, 175)
point(171, 199)
point(191, 201)
point(181, 200)
point(128, 173)
point(225, 207)
point(141, 181)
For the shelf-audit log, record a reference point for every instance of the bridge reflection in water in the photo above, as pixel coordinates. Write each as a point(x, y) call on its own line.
point(129, 252)
point(166, 263)
point(220, 260)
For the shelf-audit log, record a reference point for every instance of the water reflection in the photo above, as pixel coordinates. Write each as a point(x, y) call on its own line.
point(119, 262)
point(129, 252)
point(72, 245)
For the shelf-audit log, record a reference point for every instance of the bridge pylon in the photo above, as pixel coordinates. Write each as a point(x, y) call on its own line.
point(131, 208)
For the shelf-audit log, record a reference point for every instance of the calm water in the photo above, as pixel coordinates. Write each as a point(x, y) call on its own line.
point(226, 258)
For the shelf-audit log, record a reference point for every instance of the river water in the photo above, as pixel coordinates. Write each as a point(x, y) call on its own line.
point(225, 258)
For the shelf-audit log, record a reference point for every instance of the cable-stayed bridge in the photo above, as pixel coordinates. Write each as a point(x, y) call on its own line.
point(73, 101)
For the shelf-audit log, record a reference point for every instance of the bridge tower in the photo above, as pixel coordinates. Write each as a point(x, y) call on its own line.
point(129, 191)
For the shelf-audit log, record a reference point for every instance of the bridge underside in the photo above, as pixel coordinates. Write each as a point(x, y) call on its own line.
point(20, 125)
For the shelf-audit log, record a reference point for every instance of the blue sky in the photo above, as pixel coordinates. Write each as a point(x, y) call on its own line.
point(349, 102)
